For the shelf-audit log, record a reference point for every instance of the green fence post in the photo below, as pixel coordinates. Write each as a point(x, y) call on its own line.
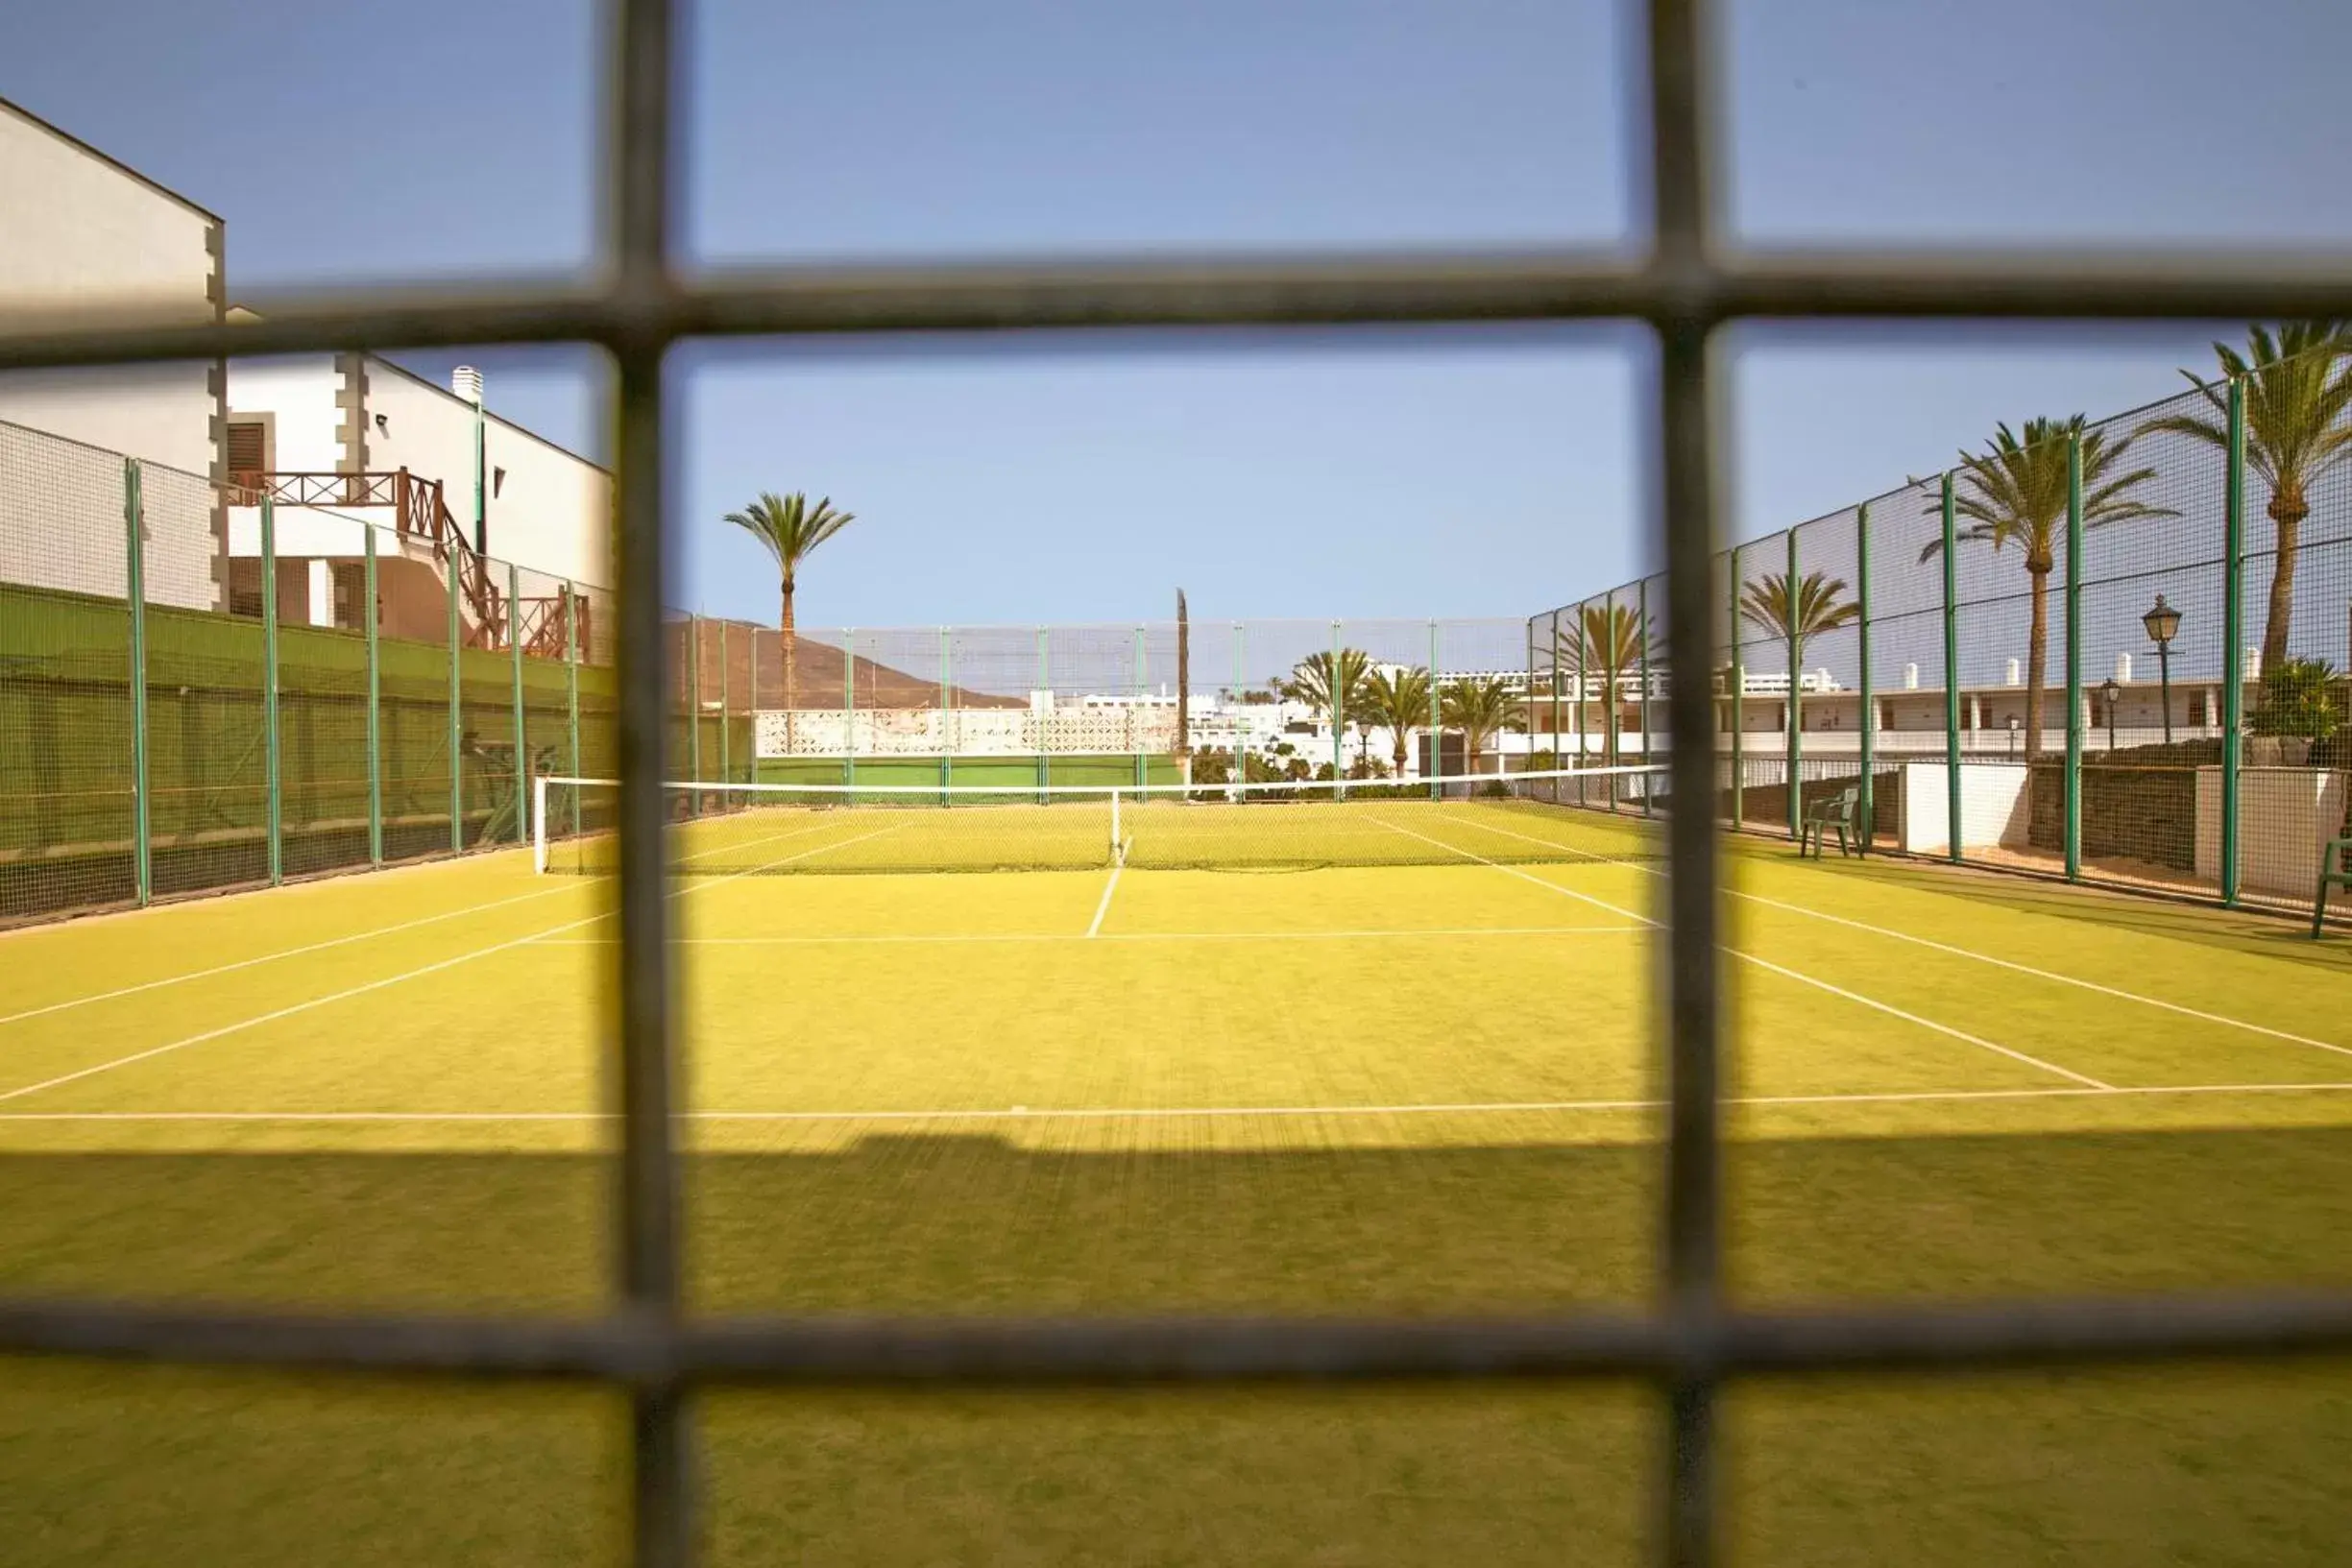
point(135, 596)
point(457, 763)
point(1241, 769)
point(1796, 703)
point(522, 735)
point(1436, 726)
point(1641, 604)
point(572, 694)
point(275, 800)
point(2073, 661)
point(694, 709)
point(1739, 692)
point(1552, 658)
point(1134, 713)
point(1337, 702)
point(375, 718)
point(1043, 717)
point(1863, 801)
point(947, 720)
point(726, 713)
point(2233, 634)
point(849, 707)
point(1613, 704)
point(1951, 674)
point(1581, 731)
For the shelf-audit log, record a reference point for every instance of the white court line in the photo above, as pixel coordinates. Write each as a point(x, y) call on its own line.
point(889, 939)
point(350, 992)
point(1095, 927)
point(332, 942)
point(2117, 992)
point(1155, 1113)
point(1887, 1008)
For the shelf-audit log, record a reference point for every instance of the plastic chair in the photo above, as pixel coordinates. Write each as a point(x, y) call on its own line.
point(1836, 813)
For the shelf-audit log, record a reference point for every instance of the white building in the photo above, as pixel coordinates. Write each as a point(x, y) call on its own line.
point(339, 441)
point(80, 232)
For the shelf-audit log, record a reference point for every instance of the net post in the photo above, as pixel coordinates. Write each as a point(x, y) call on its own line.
point(1951, 671)
point(135, 596)
point(1863, 799)
point(1795, 700)
point(2233, 634)
point(1437, 727)
point(514, 656)
point(538, 823)
point(374, 717)
point(1043, 716)
point(947, 726)
point(571, 691)
point(1642, 630)
point(2073, 661)
point(849, 707)
point(274, 802)
point(1739, 692)
point(457, 766)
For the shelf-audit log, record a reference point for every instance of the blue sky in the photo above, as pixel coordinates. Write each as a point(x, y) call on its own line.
point(1490, 473)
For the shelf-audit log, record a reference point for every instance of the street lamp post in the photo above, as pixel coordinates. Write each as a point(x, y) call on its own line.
point(2109, 691)
point(2163, 623)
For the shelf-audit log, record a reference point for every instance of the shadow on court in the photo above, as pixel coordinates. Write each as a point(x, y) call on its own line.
point(111, 1464)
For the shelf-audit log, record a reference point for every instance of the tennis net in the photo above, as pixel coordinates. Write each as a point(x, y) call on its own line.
point(734, 829)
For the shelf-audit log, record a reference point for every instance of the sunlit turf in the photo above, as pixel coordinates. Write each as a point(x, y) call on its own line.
point(1419, 1089)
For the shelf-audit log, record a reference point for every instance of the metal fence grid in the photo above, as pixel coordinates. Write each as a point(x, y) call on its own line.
point(1684, 289)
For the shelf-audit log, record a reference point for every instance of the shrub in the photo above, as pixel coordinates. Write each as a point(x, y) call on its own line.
point(2298, 698)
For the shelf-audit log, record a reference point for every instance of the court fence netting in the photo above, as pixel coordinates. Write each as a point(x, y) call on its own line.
point(1677, 280)
point(1568, 815)
point(2115, 651)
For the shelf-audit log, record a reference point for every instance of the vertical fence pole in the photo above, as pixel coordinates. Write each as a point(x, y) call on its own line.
point(1134, 713)
point(1951, 673)
point(1739, 692)
point(522, 734)
point(1043, 716)
point(1241, 769)
point(726, 713)
point(947, 725)
point(1643, 612)
point(1583, 639)
point(2233, 634)
point(1612, 702)
point(849, 707)
point(1337, 702)
point(1796, 699)
point(1863, 800)
point(375, 718)
point(456, 738)
point(1551, 658)
point(2073, 661)
point(1437, 727)
point(694, 708)
point(135, 598)
point(571, 694)
point(274, 800)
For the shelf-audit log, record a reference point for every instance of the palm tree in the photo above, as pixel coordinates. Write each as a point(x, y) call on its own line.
point(1608, 641)
point(2296, 394)
point(1481, 707)
point(2015, 493)
point(1397, 699)
point(1818, 606)
point(1310, 683)
point(791, 529)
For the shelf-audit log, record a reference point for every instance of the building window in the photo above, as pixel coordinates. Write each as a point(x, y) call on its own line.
point(249, 452)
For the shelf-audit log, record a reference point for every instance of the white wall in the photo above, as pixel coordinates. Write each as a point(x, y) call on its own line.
point(296, 397)
point(2285, 817)
point(1994, 806)
point(80, 232)
point(553, 511)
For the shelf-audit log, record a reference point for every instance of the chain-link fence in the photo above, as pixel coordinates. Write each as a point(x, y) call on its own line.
point(2112, 651)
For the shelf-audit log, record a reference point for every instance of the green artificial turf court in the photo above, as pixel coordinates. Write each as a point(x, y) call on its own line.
point(1420, 1087)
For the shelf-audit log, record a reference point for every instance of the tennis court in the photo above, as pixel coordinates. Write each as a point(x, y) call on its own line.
point(1392, 1053)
